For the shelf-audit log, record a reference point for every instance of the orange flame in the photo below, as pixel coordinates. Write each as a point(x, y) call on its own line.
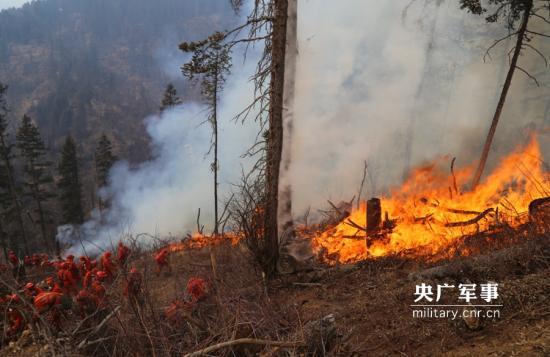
point(430, 214)
point(198, 241)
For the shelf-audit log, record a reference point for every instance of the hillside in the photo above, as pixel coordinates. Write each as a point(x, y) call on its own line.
point(366, 308)
point(87, 67)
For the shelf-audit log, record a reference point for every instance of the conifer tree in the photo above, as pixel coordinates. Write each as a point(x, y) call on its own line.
point(104, 160)
point(170, 98)
point(210, 64)
point(11, 210)
point(69, 184)
point(267, 23)
point(36, 169)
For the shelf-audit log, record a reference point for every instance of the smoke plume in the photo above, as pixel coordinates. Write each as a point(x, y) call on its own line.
point(370, 75)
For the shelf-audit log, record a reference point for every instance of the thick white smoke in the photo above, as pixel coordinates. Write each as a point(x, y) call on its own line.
point(161, 197)
point(365, 72)
point(367, 69)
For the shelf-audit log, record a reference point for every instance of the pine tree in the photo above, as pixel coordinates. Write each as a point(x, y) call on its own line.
point(10, 203)
point(266, 23)
point(37, 175)
point(104, 160)
point(210, 64)
point(69, 184)
point(170, 98)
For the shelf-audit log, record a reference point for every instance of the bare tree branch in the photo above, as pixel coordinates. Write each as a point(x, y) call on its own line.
point(528, 75)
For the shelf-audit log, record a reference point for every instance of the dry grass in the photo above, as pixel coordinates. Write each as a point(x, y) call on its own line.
point(370, 302)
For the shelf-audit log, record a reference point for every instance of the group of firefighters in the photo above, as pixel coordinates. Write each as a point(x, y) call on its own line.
point(82, 282)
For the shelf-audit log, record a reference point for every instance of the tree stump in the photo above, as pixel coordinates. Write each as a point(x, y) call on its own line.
point(374, 215)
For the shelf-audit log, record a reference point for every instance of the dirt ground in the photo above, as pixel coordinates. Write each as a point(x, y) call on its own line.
point(370, 302)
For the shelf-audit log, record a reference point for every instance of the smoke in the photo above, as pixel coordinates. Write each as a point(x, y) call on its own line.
point(368, 75)
point(161, 197)
point(371, 72)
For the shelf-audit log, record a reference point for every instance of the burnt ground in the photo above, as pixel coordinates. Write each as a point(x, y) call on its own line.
point(370, 302)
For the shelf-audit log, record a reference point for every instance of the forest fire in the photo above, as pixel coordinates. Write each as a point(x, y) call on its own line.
point(198, 241)
point(432, 210)
point(428, 214)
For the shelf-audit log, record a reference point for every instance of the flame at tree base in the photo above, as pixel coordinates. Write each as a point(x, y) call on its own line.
point(429, 213)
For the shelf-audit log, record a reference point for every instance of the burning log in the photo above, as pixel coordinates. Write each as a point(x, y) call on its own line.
point(374, 215)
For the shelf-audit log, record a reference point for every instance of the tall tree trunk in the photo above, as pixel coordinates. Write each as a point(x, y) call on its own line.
point(215, 165)
point(275, 137)
point(285, 191)
point(215, 168)
point(500, 105)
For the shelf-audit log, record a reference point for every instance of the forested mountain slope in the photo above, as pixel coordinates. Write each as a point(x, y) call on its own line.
point(86, 67)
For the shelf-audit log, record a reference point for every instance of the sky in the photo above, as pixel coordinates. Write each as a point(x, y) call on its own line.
point(4, 4)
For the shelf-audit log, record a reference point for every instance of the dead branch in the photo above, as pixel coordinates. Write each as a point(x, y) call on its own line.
point(529, 75)
point(362, 184)
point(82, 344)
point(487, 53)
point(307, 284)
point(335, 208)
point(470, 221)
point(538, 52)
point(459, 211)
point(537, 33)
point(245, 341)
point(540, 17)
point(453, 174)
point(199, 227)
point(349, 222)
